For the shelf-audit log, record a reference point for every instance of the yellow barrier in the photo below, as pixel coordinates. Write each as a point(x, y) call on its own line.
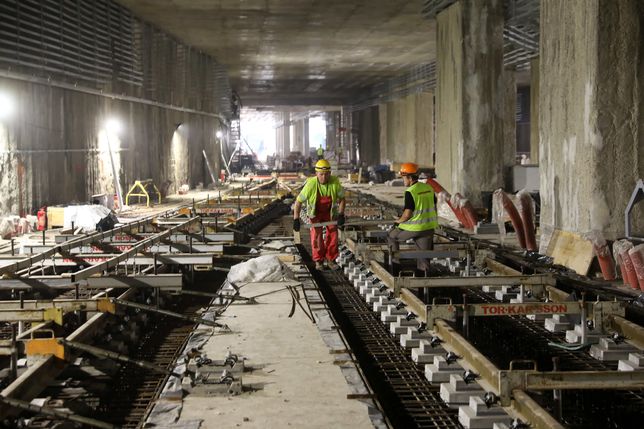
point(145, 188)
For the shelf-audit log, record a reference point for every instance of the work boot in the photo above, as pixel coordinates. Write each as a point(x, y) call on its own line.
point(319, 265)
point(332, 265)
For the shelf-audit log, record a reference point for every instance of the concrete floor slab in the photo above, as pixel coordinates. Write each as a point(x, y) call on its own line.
point(291, 378)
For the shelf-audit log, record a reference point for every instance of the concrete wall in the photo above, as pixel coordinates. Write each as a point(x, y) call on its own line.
point(590, 113)
point(53, 149)
point(470, 98)
point(406, 129)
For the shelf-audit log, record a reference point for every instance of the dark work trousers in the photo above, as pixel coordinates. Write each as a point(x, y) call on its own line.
point(424, 241)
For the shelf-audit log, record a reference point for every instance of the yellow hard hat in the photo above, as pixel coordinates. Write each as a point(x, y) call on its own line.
point(322, 165)
point(408, 169)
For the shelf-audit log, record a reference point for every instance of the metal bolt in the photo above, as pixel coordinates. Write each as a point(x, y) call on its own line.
point(435, 342)
point(490, 399)
point(469, 376)
point(451, 357)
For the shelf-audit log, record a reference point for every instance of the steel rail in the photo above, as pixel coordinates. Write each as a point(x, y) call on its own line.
point(113, 262)
point(86, 239)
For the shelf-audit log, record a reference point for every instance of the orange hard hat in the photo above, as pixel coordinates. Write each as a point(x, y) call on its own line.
point(408, 169)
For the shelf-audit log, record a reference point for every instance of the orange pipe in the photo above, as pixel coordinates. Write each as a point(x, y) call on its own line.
point(448, 198)
point(629, 268)
point(467, 209)
point(527, 206)
point(458, 211)
point(511, 210)
point(605, 261)
point(437, 187)
point(637, 258)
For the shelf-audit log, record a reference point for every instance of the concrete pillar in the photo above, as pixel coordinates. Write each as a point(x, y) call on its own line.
point(331, 130)
point(407, 130)
point(591, 113)
point(469, 146)
point(306, 147)
point(283, 135)
point(384, 130)
point(298, 136)
point(534, 111)
point(368, 135)
point(509, 149)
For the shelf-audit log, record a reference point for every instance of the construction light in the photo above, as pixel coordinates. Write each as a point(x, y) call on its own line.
point(6, 106)
point(113, 126)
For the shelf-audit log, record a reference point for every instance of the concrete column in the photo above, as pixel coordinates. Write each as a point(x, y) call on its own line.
point(283, 136)
point(368, 135)
point(298, 136)
point(591, 113)
point(331, 130)
point(509, 149)
point(469, 146)
point(306, 147)
point(406, 129)
point(534, 111)
point(383, 122)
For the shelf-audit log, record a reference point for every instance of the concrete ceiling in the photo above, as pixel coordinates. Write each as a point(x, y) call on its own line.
point(299, 52)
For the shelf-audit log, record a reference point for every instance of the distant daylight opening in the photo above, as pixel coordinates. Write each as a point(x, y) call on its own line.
point(317, 132)
point(257, 130)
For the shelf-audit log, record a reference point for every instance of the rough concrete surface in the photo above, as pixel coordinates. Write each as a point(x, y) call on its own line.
point(470, 98)
point(406, 135)
point(534, 111)
point(293, 382)
point(299, 52)
point(592, 151)
point(55, 147)
point(368, 134)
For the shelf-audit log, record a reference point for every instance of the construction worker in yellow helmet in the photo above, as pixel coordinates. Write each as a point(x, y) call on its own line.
point(419, 218)
point(324, 199)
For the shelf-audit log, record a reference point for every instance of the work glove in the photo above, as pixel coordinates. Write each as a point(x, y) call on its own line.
point(341, 219)
point(296, 224)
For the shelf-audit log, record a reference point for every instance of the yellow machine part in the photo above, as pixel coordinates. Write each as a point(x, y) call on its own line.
point(44, 346)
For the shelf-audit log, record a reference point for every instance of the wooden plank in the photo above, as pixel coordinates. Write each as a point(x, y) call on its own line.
point(571, 250)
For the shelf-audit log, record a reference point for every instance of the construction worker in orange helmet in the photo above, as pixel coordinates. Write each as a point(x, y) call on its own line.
point(324, 199)
point(419, 218)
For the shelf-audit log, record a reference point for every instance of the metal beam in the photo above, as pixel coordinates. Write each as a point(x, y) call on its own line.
point(136, 260)
point(428, 254)
point(65, 247)
point(195, 246)
point(583, 380)
point(382, 273)
point(40, 374)
point(167, 282)
point(630, 330)
point(487, 370)
point(533, 413)
point(66, 305)
point(431, 282)
point(80, 241)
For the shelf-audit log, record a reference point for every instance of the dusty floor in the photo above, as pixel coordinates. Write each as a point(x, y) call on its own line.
point(293, 381)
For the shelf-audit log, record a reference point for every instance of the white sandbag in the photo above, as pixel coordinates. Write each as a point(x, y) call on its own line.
point(267, 268)
point(85, 217)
